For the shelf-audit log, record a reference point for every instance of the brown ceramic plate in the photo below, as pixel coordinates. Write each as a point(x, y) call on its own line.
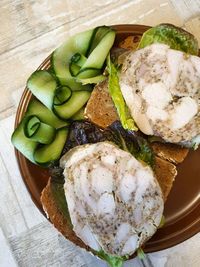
point(182, 209)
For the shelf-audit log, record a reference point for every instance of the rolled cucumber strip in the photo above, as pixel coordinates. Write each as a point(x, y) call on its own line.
point(25, 145)
point(62, 95)
point(82, 56)
point(38, 126)
point(43, 85)
point(88, 73)
point(61, 100)
point(47, 153)
point(98, 56)
point(98, 34)
point(45, 115)
point(79, 115)
point(93, 80)
point(36, 152)
point(75, 103)
point(61, 58)
point(37, 131)
point(78, 59)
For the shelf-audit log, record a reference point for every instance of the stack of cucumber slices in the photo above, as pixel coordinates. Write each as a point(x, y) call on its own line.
point(61, 93)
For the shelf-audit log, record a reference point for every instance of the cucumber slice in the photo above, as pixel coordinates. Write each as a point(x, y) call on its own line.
point(62, 56)
point(98, 34)
point(96, 79)
point(62, 95)
point(74, 69)
point(29, 148)
point(47, 153)
point(35, 107)
point(43, 85)
point(22, 143)
point(78, 59)
point(37, 131)
point(69, 61)
point(63, 102)
point(76, 102)
point(98, 56)
point(79, 115)
point(76, 63)
point(88, 73)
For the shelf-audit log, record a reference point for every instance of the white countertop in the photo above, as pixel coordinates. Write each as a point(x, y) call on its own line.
point(29, 31)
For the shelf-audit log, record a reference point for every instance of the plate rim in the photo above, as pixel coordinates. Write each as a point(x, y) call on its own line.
point(152, 245)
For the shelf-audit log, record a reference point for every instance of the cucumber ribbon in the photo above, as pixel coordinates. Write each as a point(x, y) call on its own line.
point(59, 99)
point(37, 138)
point(63, 92)
point(37, 131)
point(82, 57)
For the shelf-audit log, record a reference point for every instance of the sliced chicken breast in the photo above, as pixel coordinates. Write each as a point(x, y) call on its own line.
point(161, 87)
point(114, 200)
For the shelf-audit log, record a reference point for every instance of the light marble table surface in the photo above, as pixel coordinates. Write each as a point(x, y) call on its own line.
point(29, 31)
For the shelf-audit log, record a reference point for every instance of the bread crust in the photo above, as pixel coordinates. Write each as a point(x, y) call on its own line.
point(171, 152)
point(165, 173)
point(56, 215)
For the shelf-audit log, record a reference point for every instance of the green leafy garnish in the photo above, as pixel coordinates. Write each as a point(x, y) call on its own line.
point(162, 222)
point(113, 261)
point(171, 35)
point(145, 153)
point(132, 142)
point(140, 253)
point(195, 142)
point(117, 97)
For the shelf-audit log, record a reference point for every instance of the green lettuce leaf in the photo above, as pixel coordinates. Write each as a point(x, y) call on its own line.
point(132, 142)
point(117, 97)
point(140, 254)
point(113, 261)
point(162, 222)
point(171, 35)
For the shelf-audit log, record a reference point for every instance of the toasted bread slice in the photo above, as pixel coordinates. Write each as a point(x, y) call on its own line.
point(100, 108)
point(131, 42)
point(171, 152)
point(55, 206)
point(165, 173)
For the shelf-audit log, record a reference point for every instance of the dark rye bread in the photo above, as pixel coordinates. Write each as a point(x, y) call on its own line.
point(55, 206)
point(171, 152)
point(100, 108)
point(165, 172)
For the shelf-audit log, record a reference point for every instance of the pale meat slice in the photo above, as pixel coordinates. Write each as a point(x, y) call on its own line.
point(161, 88)
point(115, 202)
point(101, 111)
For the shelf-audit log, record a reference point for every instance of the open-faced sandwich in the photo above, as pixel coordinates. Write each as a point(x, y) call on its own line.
point(111, 124)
